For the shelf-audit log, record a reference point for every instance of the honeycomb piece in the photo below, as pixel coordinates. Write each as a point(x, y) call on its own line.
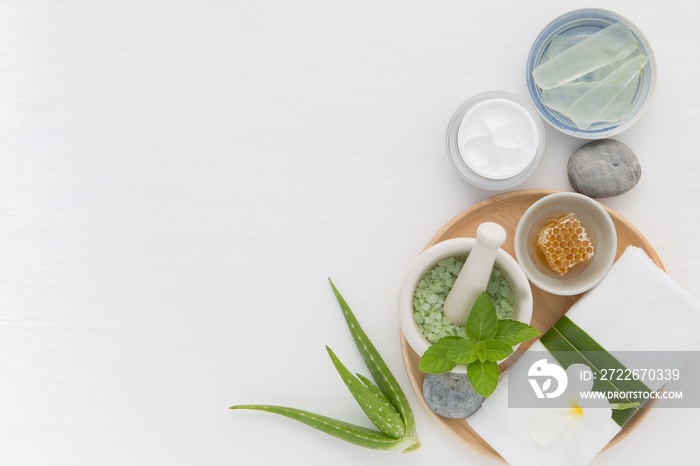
point(564, 243)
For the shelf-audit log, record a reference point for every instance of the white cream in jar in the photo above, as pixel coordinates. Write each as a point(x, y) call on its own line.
point(498, 139)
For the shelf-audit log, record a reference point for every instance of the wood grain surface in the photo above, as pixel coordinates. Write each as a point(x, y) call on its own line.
point(506, 209)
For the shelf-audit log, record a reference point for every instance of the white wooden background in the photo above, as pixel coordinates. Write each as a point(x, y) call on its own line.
point(179, 178)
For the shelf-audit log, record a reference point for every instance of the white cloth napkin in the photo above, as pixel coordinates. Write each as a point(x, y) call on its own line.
point(636, 307)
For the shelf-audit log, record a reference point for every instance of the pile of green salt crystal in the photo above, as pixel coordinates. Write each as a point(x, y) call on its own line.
point(432, 289)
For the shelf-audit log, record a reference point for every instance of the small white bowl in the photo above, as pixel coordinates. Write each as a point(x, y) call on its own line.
point(452, 248)
point(600, 229)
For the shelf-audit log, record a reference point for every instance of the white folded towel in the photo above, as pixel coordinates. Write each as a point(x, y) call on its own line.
point(636, 307)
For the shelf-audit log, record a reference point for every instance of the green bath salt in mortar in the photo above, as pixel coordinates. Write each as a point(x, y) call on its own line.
point(436, 283)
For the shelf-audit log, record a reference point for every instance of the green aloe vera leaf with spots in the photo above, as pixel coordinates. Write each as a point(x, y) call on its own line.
point(380, 371)
point(376, 391)
point(351, 433)
point(387, 420)
point(384, 403)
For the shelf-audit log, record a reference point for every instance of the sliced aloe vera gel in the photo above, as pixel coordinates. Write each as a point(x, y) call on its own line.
point(590, 105)
point(591, 79)
point(595, 51)
point(562, 97)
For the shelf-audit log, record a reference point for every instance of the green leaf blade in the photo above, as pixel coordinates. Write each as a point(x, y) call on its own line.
point(483, 376)
point(481, 351)
point(513, 332)
point(497, 350)
point(377, 367)
point(387, 420)
point(482, 323)
point(462, 351)
point(435, 360)
point(623, 406)
point(570, 344)
point(351, 433)
point(376, 391)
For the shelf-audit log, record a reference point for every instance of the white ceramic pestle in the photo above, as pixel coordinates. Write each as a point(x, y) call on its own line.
point(474, 276)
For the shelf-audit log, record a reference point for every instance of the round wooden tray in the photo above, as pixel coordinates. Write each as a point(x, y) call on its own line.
point(506, 209)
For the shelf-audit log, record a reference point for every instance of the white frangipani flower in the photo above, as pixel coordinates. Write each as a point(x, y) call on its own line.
point(564, 419)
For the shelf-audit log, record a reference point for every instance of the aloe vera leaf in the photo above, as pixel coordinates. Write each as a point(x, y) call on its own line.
point(376, 391)
point(356, 435)
point(387, 420)
point(595, 51)
point(590, 105)
point(377, 367)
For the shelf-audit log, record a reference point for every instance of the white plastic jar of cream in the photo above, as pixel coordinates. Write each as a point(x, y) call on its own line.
point(495, 140)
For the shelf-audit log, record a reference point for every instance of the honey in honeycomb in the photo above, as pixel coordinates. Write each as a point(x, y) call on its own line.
point(563, 243)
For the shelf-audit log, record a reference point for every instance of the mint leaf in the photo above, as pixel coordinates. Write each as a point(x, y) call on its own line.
point(435, 360)
point(483, 376)
point(481, 351)
point(463, 352)
point(496, 350)
point(513, 332)
point(482, 322)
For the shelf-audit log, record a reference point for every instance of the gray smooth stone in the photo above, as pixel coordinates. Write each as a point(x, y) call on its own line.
point(604, 168)
point(451, 395)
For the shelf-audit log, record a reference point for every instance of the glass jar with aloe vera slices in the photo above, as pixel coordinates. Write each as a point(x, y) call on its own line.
point(591, 73)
